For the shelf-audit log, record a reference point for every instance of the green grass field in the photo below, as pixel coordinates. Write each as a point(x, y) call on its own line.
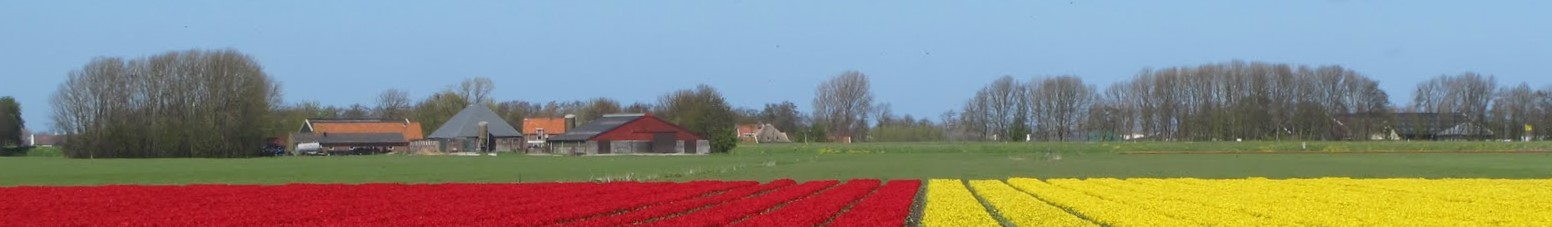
point(831, 161)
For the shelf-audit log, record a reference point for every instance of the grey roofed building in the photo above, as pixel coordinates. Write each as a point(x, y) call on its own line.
point(1411, 126)
point(1437, 126)
point(465, 124)
point(595, 127)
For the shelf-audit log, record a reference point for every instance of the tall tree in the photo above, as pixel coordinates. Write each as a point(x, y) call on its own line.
point(597, 108)
point(356, 111)
point(11, 124)
point(191, 103)
point(702, 110)
point(843, 104)
point(1466, 93)
point(393, 104)
point(997, 112)
point(1059, 105)
point(639, 108)
point(784, 116)
point(516, 110)
point(1514, 107)
point(476, 90)
point(437, 109)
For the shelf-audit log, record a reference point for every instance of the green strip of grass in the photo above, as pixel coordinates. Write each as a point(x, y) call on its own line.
point(805, 162)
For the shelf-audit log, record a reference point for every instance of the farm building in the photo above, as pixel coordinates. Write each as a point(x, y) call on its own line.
point(761, 133)
point(1410, 126)
point(1438, 126)
point(45, 139)
point(341, 135)
point(629, 134)
point(537, 130)
point(463, 132)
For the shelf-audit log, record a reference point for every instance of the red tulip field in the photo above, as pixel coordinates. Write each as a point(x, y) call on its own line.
point(698, 203)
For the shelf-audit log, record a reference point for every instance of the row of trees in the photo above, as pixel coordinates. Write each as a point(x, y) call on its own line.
point(1227, 101)
point(220, 104)
point(1505, 110)
point(1235, 100)
point(193, 103)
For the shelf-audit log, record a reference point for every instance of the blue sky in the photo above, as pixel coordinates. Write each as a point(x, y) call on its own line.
point(925, 57)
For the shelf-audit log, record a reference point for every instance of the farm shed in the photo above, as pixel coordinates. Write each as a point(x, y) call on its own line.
point(540, 129)
point(761, 133)
point(629, 134)
point(463, 132)
point(1438, 126)
point(343, 134)
point(1411, 126)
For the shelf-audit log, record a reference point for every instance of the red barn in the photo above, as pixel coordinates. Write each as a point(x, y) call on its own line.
point(629, 134)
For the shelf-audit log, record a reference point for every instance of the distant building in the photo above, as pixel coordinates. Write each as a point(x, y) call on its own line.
point(343, 135)
point(761, 133)
point(45, 140)
point(747, 132)
point(462, 133)
point(543, 128)
point(1410, 126)
point(629, 134)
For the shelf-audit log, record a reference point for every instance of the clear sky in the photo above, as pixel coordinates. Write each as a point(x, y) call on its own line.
point(925, 57)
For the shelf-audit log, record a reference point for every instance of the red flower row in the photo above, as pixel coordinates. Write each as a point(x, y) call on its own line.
point(727, 213)
point(780, 202)
point(888, 207)
point(814, 211)
point(675, 207)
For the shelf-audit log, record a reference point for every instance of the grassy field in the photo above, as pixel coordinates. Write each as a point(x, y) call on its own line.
point(832, 161)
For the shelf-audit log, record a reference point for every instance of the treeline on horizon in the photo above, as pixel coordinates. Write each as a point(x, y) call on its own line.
point(220, 103)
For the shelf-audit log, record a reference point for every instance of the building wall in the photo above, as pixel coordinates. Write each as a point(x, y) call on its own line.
point(627, 147)
point(503, 144)
point(643, 128)
point(574, 147)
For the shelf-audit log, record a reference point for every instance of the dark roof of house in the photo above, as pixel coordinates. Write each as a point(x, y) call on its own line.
point(465, 124)
point(595, 127)
point(348, 138)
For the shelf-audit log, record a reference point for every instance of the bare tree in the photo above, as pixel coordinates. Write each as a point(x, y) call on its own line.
point(393, 104)
point(1467, 93)
point(516, 110)
point(997, 110)
point(1059, 105)
point(639, 108)
point(477, 89)
point(1513, 108)
point(597, 108)
point(356, 111)
point(843, 104)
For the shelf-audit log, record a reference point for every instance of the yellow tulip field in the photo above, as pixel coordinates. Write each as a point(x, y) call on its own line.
point(1238, 202)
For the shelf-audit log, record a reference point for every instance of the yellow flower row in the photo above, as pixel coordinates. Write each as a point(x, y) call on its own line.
point(949, 203)
point(1022, 209)
point(1098, 209)
point(1244, 202)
